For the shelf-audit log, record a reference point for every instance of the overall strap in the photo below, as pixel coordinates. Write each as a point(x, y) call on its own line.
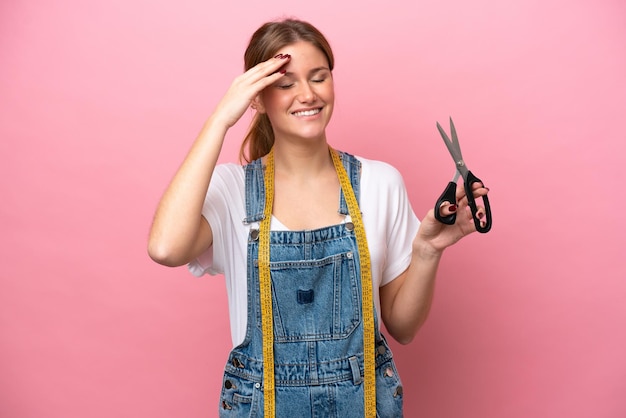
point(353, 169)
point(255, 191)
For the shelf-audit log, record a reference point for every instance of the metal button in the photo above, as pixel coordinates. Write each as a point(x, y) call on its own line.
point(226, 406)
point(257, 385)
point(349, 226)
point(237, 363)
point(389, 372)
point(398, 392)
point(349, 254)
point(381, 350)
point(228, 384)
point(254, 234)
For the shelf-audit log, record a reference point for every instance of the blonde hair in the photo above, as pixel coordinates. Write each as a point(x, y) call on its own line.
point(264, 44)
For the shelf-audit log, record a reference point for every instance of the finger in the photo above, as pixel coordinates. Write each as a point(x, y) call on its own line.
point(481, 215)
point(268, 67)
point(282, 59)
point(265, 73)
point(460, 192)
point(257, 78)
point(479, 189)
point(447, 209)
point(268, 80)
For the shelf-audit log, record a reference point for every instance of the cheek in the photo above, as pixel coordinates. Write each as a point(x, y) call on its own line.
point(277, 99)
point(328, 92)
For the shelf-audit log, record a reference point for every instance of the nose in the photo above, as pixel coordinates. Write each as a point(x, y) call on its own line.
point(306, 93)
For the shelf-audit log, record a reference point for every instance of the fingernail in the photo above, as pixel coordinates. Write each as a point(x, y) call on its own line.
point(480, 215)
point(279, 56)
point(283, 71)
point(452, 208)
point(285, 56)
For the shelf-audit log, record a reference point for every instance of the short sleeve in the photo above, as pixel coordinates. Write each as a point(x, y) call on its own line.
point(390, 222)
point(402, 228)
point(202, 264)
point(222, 209)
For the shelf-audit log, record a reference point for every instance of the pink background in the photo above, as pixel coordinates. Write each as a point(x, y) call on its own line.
point(100, 100)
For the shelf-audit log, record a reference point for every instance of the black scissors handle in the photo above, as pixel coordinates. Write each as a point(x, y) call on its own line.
point(449, 195)
point(469, 181)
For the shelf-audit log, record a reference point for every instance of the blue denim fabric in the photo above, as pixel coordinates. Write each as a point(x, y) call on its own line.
point(318, 329)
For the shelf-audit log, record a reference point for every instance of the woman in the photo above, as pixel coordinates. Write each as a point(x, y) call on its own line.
point(308, 277)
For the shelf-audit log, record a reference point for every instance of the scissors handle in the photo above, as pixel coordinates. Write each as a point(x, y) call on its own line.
point(448, 195)
point(469, 181)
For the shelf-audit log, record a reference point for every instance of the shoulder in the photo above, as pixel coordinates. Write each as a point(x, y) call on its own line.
point(229, 174)
point(229, 170)
point(380, 172)
point(226, 188)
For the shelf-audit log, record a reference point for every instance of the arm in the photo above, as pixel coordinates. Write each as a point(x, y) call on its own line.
point(179, 232)
point(406, 301)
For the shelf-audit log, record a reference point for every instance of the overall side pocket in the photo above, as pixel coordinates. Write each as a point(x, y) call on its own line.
point(238, 397)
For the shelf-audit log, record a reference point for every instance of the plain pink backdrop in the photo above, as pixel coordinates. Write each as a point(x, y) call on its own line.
point(99, 102)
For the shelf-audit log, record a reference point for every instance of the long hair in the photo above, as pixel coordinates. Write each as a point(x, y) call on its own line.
point(264, 44)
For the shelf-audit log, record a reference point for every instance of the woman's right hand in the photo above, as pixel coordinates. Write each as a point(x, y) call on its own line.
point(179, 232)
point(246, 87)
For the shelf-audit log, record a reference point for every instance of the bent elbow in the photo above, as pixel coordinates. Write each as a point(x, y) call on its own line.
point(404, 339)
point(164, 255)
point(405, 335)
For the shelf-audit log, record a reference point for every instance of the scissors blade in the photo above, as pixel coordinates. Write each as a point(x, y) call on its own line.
point(453, 149)
point(459, 161)
point(455, 138)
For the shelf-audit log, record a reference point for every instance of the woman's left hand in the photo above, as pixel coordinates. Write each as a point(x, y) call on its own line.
point(439, 236)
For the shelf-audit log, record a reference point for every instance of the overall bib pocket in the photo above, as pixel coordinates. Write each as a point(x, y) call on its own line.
point(315, 300)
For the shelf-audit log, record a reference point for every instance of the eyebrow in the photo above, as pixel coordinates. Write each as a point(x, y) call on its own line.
point(311, 72)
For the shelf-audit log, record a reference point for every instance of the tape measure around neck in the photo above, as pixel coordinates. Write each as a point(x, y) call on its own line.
point(266, 289)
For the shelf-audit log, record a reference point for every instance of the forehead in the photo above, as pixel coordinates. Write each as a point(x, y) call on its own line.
point(304, 54)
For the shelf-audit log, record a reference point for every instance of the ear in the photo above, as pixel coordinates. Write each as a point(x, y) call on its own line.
point(257, 104)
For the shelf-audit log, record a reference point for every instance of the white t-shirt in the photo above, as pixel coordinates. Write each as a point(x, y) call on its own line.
point(389, 221)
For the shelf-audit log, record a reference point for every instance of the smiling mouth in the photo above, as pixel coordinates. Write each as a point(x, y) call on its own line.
point(309, 112)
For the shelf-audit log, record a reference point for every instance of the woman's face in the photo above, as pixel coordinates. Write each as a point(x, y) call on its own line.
point(300, 103)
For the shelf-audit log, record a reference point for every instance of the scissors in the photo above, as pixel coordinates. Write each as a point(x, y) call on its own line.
point(449, 195)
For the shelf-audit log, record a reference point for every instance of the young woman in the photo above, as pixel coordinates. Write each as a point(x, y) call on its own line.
point(317, 246)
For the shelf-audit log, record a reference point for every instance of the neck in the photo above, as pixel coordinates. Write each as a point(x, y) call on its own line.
point(302, 159)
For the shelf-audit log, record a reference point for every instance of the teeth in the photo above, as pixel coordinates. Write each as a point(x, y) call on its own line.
point(307, 112)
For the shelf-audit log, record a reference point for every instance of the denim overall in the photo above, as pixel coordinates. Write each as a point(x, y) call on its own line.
point(318, 329)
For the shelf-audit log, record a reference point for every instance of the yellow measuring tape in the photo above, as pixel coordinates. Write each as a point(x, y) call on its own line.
point(266, 289)
point(265, 284)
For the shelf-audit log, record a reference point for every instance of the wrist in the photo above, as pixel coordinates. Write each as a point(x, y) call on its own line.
point(217, 123)
point(425, 250)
